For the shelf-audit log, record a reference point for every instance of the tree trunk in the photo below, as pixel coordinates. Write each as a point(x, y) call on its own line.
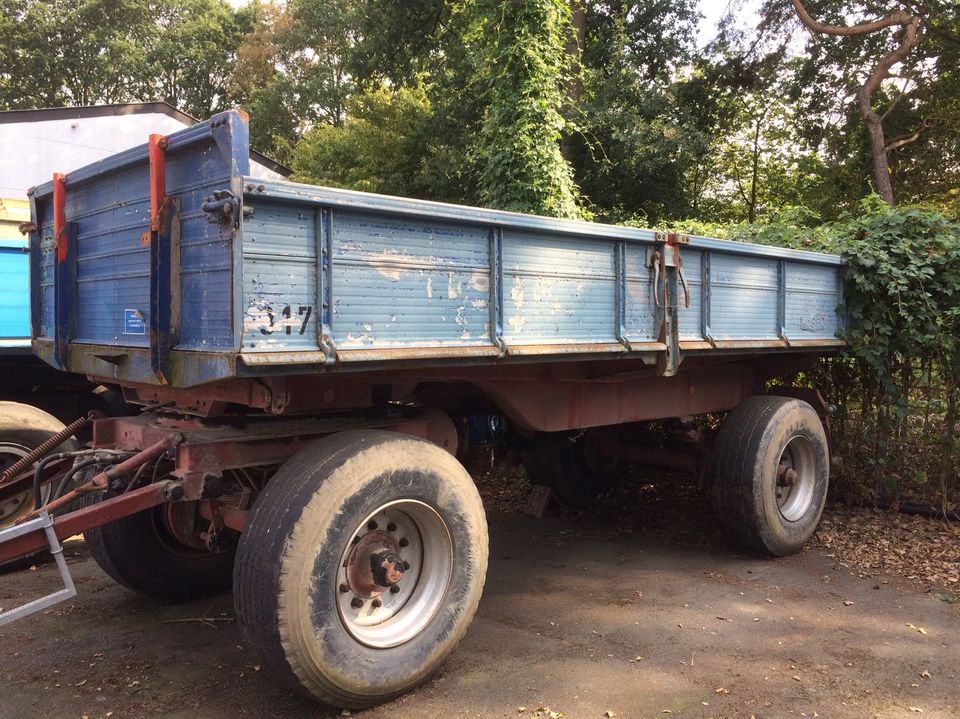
point(879, 165)
point(752, 208)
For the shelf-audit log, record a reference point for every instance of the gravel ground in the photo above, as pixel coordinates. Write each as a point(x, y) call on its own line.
point(638, 612)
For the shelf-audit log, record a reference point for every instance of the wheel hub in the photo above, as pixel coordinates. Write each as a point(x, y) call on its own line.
point(394, 573)
point(374, 564)
point(795, 479)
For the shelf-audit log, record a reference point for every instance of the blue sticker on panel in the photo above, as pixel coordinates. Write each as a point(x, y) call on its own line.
point(133, 323)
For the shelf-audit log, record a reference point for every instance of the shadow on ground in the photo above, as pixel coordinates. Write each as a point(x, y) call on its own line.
point(637, 609)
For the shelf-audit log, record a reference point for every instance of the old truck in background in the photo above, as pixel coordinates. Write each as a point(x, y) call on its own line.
point(304, 358)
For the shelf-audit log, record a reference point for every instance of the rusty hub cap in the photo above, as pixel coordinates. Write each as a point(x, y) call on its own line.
point(374, 564)
point(394, 573)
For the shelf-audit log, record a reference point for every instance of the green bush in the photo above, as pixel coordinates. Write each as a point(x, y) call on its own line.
point(897, 385)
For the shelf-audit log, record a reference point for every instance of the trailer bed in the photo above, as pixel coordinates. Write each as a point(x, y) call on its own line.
point(169, 264)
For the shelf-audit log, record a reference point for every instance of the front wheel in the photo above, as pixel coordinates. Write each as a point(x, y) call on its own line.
point(361, 566)
point(771, 470)
point(23, 427)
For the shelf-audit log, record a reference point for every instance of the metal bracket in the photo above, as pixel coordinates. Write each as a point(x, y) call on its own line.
point(663, 257)
point(43, 522)
point(223, 208)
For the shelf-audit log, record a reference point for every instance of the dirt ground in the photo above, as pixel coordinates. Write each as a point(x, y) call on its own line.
point(637, 614)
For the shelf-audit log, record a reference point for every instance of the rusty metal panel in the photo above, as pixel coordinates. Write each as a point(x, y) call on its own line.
point(743, 293)
point(408, 282)
point(557, 291)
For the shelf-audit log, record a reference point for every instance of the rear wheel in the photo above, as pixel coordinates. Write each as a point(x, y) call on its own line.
point(142, 553)
point(361, 566)
point(572, 467)
point(771, 471)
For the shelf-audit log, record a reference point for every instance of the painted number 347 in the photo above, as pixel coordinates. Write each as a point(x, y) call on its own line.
point(303, 311)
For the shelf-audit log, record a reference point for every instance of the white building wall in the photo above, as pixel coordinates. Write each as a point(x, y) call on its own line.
point(30, 152)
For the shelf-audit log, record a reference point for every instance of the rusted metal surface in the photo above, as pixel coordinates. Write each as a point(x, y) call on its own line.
point(233, 517)
point(258, 359)
point(414, 353)
point(102, 480)
point(156, 449)
point(157, 145)
point(374, 564)
point(562, 349)
point(751, 344)
point(60, 216)
point(269, 395)
point(551, 405)
point(818, 344)
point(205, 449)
point(89, 517)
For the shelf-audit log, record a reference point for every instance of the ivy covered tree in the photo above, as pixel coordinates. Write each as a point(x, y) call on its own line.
point(519, 53)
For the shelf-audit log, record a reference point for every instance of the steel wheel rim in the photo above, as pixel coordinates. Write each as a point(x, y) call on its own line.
point(21, 505)
point(426, 548)
point(796, 479)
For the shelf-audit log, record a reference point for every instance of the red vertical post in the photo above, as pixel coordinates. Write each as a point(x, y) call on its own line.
point(158, 178)
point(60, 216)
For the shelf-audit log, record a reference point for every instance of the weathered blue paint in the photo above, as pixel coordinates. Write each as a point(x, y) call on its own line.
point(314, 277)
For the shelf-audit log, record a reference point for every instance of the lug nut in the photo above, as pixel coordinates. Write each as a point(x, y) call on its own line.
point(391, 527)
point(406, 566)
point(356, 603)
point(372, 525)
point(404, 542)
point(394, 589)
point(376, 603)
point(344, 588)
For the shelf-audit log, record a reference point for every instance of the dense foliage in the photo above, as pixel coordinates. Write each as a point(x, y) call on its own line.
point(898, 386)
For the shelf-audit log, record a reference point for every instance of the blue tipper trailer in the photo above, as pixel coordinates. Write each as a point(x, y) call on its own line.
point(307, 359)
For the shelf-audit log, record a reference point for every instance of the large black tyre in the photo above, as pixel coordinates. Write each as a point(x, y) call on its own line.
point(572, 468)
point(771, 471)
point(294, 601)
point(22, 428)
point(140, 553)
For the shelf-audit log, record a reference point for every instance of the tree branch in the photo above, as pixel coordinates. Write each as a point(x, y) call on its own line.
point(908, 36)
point(896, 18)
point(896, 100)
point(899, 142)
